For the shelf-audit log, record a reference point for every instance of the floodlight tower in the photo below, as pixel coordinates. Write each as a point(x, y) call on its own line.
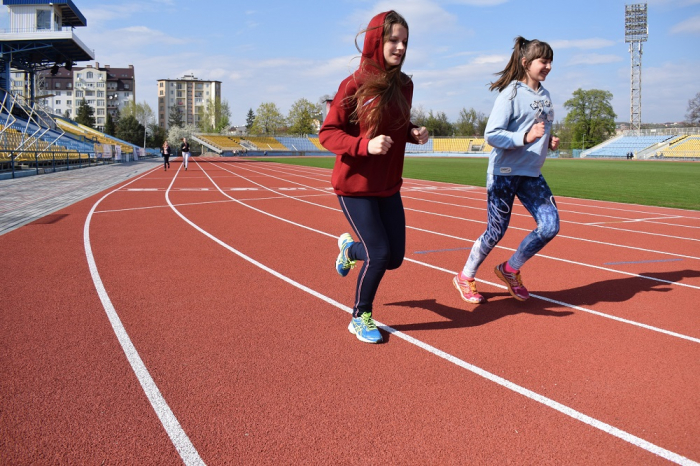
point(636, 32)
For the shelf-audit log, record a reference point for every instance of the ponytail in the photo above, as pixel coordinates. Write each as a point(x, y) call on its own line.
point(531, 50)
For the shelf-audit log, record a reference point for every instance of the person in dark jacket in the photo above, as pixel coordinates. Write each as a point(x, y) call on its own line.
point(167, 151)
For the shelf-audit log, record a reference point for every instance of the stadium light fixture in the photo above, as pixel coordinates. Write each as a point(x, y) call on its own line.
point(636, 32)
point(636, 28)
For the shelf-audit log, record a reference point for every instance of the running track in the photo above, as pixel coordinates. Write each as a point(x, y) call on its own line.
point(195, 316)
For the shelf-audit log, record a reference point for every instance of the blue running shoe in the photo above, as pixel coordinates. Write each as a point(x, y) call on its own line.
point(365, 329)
point(342, 263)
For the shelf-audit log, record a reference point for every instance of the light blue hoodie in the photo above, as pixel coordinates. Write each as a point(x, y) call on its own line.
point(511, 118)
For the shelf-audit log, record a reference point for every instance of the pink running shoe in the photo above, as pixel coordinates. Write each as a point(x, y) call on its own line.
point(467, 290)
point(514, 282)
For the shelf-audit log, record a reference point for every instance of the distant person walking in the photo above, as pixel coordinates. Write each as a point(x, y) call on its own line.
point(167, 151)
point(367, 127)
point(185, 149)
point(519, 130)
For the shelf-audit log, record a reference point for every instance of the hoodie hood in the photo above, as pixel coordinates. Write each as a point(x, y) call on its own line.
point(373, 48)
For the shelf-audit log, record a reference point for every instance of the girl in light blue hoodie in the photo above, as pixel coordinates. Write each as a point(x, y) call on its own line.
point(519, 130)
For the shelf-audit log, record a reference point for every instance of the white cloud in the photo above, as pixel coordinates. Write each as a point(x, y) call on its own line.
point(593, 59)
point(422, 16)
point(478, 2)
point(690, 25)
point(586, 44)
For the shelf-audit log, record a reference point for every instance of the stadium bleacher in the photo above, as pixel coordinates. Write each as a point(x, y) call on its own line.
point(298, 144)
point(622, 146)
point(265, 143)
point(684, 147)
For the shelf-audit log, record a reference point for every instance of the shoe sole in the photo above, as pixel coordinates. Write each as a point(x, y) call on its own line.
point(351, 328)
point(455, 282)
point(499, 274)
point(344, 273)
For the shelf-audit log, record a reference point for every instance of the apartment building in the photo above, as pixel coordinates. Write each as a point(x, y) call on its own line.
point(105, 89)
point(189, 95)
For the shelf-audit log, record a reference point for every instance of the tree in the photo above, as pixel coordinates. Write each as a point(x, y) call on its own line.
point(157, 135)
point(110, 127)
point(143, 114)
point(175, 118)
point(302, 116)
point(85, 114)
point(249, 119)
point(215, 117)
point(438, 124)
point(418, 116)
point(591, 117)
point(176, 133)
point(130, 130)
point(693, 115)
point(470, 123)
point(268, 120)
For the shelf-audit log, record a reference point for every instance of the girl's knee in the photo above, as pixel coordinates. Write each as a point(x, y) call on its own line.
point(548, 230)
point(394, 263)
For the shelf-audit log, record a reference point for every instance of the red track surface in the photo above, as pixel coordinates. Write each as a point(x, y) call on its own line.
point(600, 366)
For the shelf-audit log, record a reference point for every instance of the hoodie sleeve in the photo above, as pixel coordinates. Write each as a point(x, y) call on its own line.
point(497, 133)
point(338, 134)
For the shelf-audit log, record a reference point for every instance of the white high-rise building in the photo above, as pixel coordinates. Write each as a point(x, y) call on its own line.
point(189, 95)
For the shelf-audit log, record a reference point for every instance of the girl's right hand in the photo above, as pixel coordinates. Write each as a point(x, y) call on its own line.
point(379, 145)
point(536, 132)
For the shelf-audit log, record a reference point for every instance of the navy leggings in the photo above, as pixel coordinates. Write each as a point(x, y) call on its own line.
point(379, 224)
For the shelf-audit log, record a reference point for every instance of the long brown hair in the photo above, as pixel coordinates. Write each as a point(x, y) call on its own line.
point(531, 50)
point(381, 84)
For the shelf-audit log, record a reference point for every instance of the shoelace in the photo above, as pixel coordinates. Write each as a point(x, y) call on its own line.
point(514, 279)
point(347, 263)
point(368, 321)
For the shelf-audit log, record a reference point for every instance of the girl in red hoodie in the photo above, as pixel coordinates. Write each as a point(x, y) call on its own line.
point(367, 127)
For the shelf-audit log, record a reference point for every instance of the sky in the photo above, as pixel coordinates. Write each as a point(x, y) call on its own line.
point(280, 51)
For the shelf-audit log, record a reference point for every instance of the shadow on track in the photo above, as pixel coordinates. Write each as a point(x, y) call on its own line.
point(608, 291)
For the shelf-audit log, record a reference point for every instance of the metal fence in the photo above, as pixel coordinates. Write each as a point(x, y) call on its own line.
point(14, 163)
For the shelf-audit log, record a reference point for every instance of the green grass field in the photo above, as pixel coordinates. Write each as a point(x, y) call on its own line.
point(654, 183)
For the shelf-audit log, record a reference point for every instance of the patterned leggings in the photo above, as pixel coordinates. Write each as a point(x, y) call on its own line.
point(536, 197)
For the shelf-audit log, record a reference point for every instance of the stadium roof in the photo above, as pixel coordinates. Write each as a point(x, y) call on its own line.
point(69, 12)
point(37, 51)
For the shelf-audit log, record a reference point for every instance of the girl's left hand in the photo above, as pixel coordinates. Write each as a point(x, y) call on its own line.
point(421, 134)
point(554, 143)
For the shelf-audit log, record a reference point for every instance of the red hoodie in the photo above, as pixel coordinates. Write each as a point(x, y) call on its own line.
point(356, 171)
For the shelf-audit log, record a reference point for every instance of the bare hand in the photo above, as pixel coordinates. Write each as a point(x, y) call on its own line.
point(379, 145)
point(421, 134)
point(554, 143)
point(536, 132)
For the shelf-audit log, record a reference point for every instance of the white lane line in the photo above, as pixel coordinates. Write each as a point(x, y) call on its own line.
point(577, 415)
point(567, 261)
point(574, 238)
point(482, 222)
point(515, 214)
point(414, 185)
point(177, 435)
point(560, 303)
point(571, 306)
point(567, 305)
point(632, 220)
point(596, 225)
